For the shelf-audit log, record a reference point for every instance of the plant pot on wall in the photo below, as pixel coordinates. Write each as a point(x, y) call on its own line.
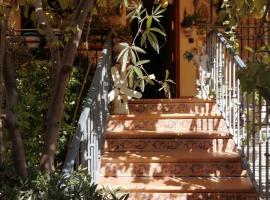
point(32, 39)
point(187, 24)
point(188, 31)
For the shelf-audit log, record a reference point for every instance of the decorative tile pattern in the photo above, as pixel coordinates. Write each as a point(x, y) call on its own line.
point(234, 169)
point(158, 163)
point(194, 196)
point(201, 108)
point(158, 145)
point(168, 124)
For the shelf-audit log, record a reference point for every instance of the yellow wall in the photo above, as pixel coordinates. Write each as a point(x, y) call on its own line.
point(187, 69)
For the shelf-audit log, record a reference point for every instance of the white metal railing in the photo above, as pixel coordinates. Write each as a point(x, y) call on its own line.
point(88, 138)
point(247, 115)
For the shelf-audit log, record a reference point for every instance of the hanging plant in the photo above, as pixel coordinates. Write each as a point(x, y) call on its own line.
point(188, 20)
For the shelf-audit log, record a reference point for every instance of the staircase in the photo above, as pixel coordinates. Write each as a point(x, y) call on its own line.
point(173, 149)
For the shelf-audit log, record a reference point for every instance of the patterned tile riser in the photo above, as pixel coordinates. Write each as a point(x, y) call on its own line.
point(173, 108)
point(195, 196)
point(173, 169)
point(158, 145)
point(168, 125)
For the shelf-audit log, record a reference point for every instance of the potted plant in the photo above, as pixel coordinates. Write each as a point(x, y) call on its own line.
point(187, 23)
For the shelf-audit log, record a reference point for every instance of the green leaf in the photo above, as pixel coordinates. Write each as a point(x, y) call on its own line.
point(139, 72)
point(138, 49)
point(158, 31)
point(124, 61)
point(133, 57)
point(149, 22)
point(142, 62)
point(142, 85)
point(239, 3)
point(122, 53)
point(64, 4)
point(260, 4)
point(143, 38)
point(249, 49)
point(167, 74)
point(153, 41)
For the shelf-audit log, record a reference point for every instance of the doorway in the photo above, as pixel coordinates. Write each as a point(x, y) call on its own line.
point(166, 59)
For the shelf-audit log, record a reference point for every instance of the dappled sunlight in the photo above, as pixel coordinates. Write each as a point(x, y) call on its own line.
point(156, 151)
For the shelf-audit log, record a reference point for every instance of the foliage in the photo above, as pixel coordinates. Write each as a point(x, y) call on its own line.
point(165, 85)
point(55, 186)
point(148, 28)
point(188, 20)
point(34, 85)
point(256, 74)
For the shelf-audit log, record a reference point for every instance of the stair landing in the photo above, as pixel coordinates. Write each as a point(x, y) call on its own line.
point(173, 149)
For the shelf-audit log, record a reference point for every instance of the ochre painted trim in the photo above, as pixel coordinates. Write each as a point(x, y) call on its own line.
point(177, 45)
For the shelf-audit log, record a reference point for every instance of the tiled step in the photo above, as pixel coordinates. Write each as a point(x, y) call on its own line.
point(169, 149)
point(165, 157)
point(173, 144)
point(168, 134)
point(166, 123)
point(180, 184)
point(202, 169)
point(192, 196)
point(156, 106)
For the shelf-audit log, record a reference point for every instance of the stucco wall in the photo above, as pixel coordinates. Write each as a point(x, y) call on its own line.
point(187, 69)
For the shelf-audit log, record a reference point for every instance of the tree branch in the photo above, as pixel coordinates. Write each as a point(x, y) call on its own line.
point(44, 25)
point(79, 19)
point(56, 105)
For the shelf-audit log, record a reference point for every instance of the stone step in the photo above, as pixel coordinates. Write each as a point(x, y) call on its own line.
point(168, 134)
point(157, 106)
point(173, 144)
point(192, 196)
point(170, 101)
point(165, 157)
point(180, 184)
point(166, 123)
point(202, 169)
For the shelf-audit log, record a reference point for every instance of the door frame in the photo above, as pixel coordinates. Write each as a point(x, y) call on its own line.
point(176, 53)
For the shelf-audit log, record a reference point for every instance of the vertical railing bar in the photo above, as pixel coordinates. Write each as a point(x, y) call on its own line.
point(267, 153)
point(260, 141)
point(88, 141)
point(229, 110)
point(238, 112)
point(222, 67)
point(235, 103)
point(226, 69)
point(243, 118)
point(217, 73)
point(247, 127)
point(253, 135)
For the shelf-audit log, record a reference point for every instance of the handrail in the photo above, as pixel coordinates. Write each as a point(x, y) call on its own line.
point(246, 115)
point(88, 137)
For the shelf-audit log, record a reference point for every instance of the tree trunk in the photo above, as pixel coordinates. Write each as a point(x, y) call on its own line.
point(56, 106)
point(11, 116)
